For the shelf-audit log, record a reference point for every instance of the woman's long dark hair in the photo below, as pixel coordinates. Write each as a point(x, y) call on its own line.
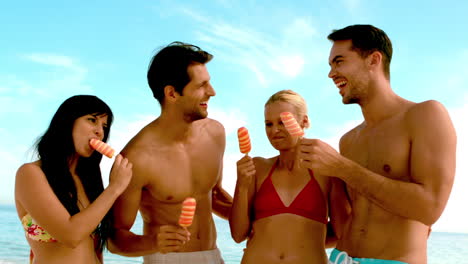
point(56, 147)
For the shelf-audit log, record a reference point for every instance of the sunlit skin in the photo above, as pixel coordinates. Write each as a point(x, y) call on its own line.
point(398, 164)
point(195, 96)
point(34, 195)
point(86, 128)
point(281, 238)
point(178, 155)
point(349, 72)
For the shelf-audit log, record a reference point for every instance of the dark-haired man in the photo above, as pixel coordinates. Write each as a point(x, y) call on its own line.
point(178, 155)
point(398, 164)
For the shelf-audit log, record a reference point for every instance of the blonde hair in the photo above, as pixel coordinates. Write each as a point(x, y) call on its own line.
point(293, 98)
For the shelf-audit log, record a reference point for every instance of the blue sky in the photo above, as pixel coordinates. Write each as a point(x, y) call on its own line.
point(55, 49)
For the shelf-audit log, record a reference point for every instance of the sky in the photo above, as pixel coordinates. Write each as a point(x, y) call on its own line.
point(56, 49)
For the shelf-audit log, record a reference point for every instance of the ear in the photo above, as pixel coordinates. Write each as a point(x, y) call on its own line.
point(375, 60)
point(170, 94)
point(305, 122)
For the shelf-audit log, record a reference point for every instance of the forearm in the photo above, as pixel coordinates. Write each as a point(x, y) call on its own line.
point(126, 243)
point(406, 199)
point(82, 224)
point(223, 210)
point(239, 220)
point(221, 202)
point(339, 208)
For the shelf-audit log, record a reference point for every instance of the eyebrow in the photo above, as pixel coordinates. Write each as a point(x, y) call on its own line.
point(335, 59)
point(98, 115)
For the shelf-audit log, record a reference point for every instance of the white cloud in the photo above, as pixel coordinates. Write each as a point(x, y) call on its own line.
point(64, 76)
point(273, 55)
point(300, 28)
point(231, 119)
point(338, 131)
point(290, 66)
point(52, 59)
point(11, 159)
point(230, 171)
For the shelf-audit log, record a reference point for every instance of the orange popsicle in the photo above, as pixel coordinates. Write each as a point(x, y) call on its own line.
point(188, 211)
point(244, 140)
point(102, 147)
point(291, 124)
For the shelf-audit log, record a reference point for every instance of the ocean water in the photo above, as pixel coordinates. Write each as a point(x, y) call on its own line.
point(443, 248)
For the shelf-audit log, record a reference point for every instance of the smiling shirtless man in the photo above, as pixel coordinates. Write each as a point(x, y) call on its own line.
point(178, 155)
point(398, 164)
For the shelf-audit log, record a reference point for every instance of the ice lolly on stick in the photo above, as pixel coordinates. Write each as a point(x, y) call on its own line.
point(244, 140)
point(102, 147)
point(291, 124)
point(188, 211)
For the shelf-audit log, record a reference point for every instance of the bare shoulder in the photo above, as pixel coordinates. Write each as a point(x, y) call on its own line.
point(212, 127)
point(427, 114)
point(425, 110)
point(430, 122)
point(29, 170)
point(142, 151)
point(142, 143)
point(29, 179)
point(262, 166)
point(347, 138)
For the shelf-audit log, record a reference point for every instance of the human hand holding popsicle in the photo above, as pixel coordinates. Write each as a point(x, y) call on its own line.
point(121, 172)
point(313, 154)
point(322, 158)
point(171, 238)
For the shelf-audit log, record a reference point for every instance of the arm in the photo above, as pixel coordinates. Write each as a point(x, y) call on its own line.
point(432, 169)
point(35, 195)
point(240, 218)
point(126, 243)
point(339, 208)
point(221, 200)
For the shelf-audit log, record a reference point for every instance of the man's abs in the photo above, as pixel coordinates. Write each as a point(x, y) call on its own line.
point(156, 214)
point(376, 233)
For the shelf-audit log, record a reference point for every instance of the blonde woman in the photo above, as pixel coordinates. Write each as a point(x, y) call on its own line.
point(279, 206)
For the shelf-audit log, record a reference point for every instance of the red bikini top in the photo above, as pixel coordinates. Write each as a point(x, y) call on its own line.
point(309, 203)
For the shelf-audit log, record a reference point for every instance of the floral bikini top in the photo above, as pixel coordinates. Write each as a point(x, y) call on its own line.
point(34, 231)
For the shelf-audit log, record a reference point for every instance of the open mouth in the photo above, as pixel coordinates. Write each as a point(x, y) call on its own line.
point(204, 104)
point(341, 84)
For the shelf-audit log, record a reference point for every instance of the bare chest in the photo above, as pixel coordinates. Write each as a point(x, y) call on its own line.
point(178, 173)
point(384, 149)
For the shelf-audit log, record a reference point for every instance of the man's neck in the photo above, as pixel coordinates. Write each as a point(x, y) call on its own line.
point(381, 104)
point(175, 127)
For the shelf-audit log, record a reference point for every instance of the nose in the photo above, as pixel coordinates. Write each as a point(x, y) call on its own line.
point(276, 128)
point(211, 91)
point(99, 131)
point(331, 73)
